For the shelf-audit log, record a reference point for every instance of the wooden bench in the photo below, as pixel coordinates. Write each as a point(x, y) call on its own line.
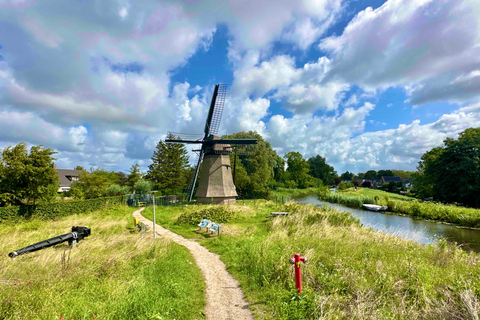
point(141, 204)
point(210, 226)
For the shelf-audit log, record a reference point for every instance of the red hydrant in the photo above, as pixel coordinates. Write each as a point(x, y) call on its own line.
point(298, 278)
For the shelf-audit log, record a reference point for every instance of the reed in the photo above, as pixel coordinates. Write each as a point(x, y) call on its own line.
point(466, 217)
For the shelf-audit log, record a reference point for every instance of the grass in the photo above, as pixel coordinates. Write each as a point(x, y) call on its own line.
point(375, 192)
point(293, 193)
point(352, 272)
point(461, 216)
point(113, 274)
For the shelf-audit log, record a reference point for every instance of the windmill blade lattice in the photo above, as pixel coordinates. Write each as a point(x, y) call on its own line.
point(218, 109)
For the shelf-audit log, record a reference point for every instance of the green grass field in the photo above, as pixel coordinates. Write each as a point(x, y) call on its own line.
point(375, 192)
point(352, 272)
point(113, 274)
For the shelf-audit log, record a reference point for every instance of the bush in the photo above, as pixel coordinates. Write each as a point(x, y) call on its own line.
point(345, 185)
point(218, 214)
point(54, 210)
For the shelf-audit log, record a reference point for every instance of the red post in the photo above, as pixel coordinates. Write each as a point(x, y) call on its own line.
point(298, 277)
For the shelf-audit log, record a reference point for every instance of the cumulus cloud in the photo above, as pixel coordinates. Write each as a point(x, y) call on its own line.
point(421, 45)
point(299, 88)
point(342, 140)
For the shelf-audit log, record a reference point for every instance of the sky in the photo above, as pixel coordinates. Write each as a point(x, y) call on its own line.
point(368, 85)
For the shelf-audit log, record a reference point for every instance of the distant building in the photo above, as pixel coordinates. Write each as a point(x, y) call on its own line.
point(66, 178)
point(390, 179)
point(407, 183)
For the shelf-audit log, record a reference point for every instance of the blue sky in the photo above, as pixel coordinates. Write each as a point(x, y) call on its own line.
point(365, 84)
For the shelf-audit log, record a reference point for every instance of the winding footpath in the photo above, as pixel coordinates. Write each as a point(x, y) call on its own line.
point(224, 297)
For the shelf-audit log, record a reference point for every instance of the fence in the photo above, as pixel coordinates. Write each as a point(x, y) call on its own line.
point(147, 199)
point(181, 199)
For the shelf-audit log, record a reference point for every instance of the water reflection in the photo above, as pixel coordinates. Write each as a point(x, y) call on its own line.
point(424, 232)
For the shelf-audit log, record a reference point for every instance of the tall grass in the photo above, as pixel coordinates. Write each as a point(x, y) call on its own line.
point(352, 272)
point(113, 274)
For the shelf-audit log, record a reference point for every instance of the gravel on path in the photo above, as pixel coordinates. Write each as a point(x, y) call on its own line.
point(225, 299)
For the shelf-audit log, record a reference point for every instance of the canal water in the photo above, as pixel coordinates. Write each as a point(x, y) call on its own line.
point(424, 232)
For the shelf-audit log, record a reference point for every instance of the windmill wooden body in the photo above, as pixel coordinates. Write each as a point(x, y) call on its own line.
point(213, 169)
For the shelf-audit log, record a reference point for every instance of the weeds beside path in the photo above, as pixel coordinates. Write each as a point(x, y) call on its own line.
point(224, 297)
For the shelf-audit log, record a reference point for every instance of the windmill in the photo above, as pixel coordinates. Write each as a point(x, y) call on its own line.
point(215, 181)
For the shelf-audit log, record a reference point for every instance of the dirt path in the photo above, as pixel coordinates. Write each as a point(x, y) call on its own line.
point(224, 296)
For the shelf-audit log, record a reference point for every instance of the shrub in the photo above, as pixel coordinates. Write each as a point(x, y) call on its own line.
point(218, 214)
point(54, 210)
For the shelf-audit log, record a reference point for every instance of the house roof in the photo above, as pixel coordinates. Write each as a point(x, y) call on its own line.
point(63, 175)
point(388, 179)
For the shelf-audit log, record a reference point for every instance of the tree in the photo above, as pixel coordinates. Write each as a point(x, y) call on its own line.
point(258, 167)
point(346, 176)
point(371, 175)
point(384, 173)
point(133, 177)
point(169, 170)
point(298, 169)
point(122, 178)
point(321, 170)
point(27, 176)
point(456, 171)
point(93, 185)
point(425, 178)
point(79, 168)
point(143, 186)
point(403, 174)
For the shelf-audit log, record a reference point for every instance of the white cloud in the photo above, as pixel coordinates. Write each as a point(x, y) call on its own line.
point(342, 140)
point(421, 45)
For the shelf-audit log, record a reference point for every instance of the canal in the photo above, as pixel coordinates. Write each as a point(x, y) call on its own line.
point(422, 231)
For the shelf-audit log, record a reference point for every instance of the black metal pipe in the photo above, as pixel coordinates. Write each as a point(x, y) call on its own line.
point(77, 234)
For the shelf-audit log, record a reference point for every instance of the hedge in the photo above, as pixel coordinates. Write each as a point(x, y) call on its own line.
point(48, 211)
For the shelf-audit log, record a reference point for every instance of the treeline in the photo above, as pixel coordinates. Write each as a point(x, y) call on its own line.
point(258, 170)
point(451, 173)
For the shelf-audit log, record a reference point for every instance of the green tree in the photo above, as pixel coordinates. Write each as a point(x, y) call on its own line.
point(298, 169)
point(260, 163)
point(79, 168)
point(134, 176)
point(143, 186)
point(93, 185)
point(169, 170)
point(456, 171)
point(27, 176)
point(424, 179)
point(361, 175)
point(346, 176)
point(321, 170)
point(403, 174)
point(371, 174)
point(384, 173)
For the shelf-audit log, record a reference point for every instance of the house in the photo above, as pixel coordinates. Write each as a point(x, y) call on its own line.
point(66, 178)
point(407, 183)
point(390, 179)
point(376, 183)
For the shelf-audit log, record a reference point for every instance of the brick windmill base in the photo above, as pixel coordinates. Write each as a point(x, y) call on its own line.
point(215, 182)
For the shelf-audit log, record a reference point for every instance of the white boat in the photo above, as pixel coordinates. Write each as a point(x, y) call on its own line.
point(374, 207)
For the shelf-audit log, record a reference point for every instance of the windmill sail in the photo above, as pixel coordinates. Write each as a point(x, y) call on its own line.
point(216, 109)
point(193, 179)
point(215, 179)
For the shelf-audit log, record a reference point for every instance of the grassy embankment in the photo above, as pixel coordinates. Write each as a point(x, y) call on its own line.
point(113, 274)
point(461, 216)
point(352, 272)
point(293, 193)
